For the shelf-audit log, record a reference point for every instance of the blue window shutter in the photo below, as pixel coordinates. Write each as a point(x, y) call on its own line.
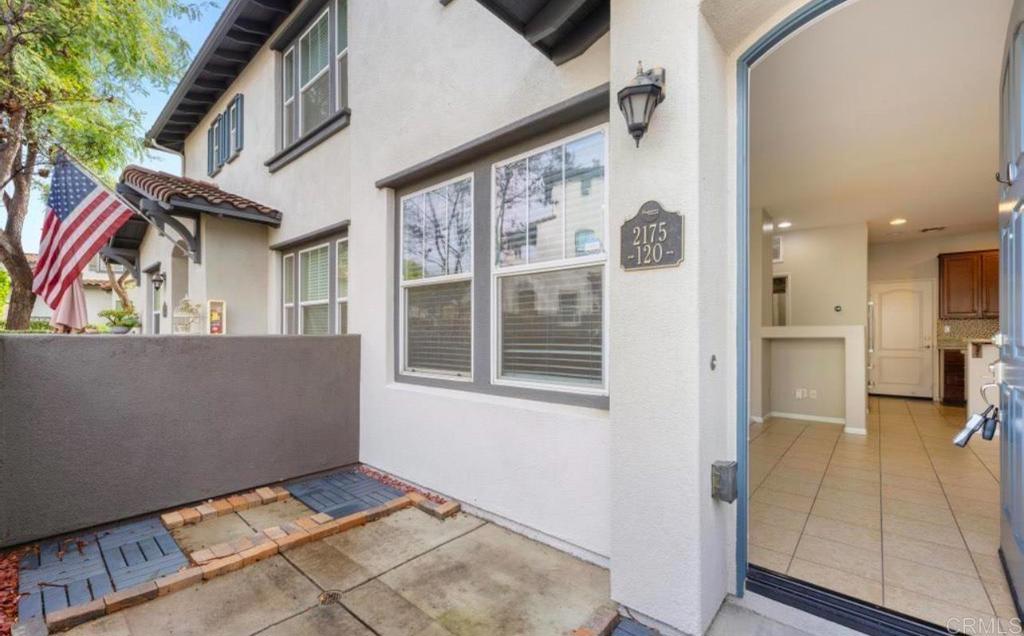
point(241, 120)
point(209, 151)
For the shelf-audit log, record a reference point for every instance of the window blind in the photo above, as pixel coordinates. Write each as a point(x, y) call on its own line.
point(439, 320)
point(552, 326)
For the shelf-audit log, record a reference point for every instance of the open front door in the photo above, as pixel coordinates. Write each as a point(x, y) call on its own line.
point(1009, 370)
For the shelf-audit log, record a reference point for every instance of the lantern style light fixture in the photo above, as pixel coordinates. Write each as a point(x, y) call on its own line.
point(638, 100)
point(158, 280)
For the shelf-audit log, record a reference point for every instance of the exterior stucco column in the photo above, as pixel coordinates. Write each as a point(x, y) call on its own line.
point(671, 543)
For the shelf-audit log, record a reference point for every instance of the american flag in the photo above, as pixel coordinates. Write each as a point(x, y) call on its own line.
point(82, 216)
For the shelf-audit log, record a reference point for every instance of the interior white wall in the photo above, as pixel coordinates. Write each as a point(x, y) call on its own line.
point(760, 303)
point(817, 365)
point(827, 267)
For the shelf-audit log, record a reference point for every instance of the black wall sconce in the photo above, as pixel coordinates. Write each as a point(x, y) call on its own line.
point(640, 98)
point(158, 280)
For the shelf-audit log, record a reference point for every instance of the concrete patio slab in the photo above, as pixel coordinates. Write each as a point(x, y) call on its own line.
point(395, 539)
point(408, 574)
point(211, 532)
point(322, 619)
point(327, 566)
point(274, 514)
point(237, 604)
point(388, 612)
point(492, 581)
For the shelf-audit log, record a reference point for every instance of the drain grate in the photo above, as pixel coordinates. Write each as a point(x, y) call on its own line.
point(330, 596)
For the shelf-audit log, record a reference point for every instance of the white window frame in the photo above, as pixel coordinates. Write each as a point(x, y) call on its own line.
point(233, 128)
point(289, 100)
point(436, 280)
point(298, 288)
point(340, 300)
point(217, 141)
point(498, 272)
point(340, 87)
point(285, 305)
point(299, 86)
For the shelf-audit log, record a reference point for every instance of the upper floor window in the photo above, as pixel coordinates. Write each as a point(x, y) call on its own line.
point(225, 136)
point(314, 74)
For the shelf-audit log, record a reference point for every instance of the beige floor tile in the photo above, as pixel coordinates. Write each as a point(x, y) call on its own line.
point(920, 482)
point(970, 508)
point(851, 485)
point(775, 561)
point(841, 556)
point(937, 583)
point(945, 535)
point(989, 567)
point(779, 482)
point(844, 533)
point(927, 553)
point(853, 515)
point(937, 513)
point(773, 537)
point(981, 542)
point(940, 612)
point(843, 582)
point(1000, 597)
point(782, 517)
point(799, 503)
point(989, 494)
point(849, 498)
point(901, 493)
point(803, 464)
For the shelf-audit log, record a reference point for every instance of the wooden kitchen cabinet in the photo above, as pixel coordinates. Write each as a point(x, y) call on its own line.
point(969, 285)
point(990, 284)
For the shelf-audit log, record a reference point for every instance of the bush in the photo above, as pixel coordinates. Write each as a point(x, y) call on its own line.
point(121, 317)
point(36, 325)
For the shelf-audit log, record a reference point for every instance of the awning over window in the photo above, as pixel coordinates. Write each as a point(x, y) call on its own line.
point(560, 29)
point(163, 199)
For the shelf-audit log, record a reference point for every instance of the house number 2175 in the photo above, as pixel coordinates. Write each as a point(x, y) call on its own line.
point(649, 243)
point(652, 238)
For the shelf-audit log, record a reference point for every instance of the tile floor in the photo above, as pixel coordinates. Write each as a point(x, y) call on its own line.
point(899, 517)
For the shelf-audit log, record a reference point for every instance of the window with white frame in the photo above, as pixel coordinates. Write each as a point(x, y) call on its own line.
point(288, 293)
point(314, 78)
point(342, 282)
point(314, 289)
point(314, 286)
point(437, 280)
point(549, 217)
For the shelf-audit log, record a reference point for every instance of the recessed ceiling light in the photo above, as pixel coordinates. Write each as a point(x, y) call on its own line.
point(784, 225)
point(897, 222)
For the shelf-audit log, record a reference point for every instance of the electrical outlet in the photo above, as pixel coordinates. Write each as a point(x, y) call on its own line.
point(814, 394)
point(945, 329)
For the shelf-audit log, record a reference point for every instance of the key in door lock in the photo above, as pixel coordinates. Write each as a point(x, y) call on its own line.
point(987, 422)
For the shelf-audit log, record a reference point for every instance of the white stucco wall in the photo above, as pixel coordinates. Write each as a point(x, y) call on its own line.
point(439, 77)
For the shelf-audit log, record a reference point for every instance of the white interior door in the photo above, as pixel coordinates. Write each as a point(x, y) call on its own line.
point(901, 323)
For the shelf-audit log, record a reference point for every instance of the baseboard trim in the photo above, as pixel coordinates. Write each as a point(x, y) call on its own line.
point(809, 418)
point(757, 419)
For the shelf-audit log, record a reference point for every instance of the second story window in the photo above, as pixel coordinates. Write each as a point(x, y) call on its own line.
point(315, 73)
point(224, 138)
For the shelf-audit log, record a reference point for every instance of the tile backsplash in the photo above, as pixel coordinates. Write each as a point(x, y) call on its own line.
point(967, 329)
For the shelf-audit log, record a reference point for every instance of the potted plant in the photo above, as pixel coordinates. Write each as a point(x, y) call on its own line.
point(121, 320)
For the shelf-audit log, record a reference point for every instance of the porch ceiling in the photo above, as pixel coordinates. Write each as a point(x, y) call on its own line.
point(243, 28)
point(560, 29)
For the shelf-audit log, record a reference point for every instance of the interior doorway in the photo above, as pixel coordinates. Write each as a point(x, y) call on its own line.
point(867, 155)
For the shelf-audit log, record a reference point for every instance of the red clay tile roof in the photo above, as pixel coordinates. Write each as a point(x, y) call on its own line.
point(161, 186)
